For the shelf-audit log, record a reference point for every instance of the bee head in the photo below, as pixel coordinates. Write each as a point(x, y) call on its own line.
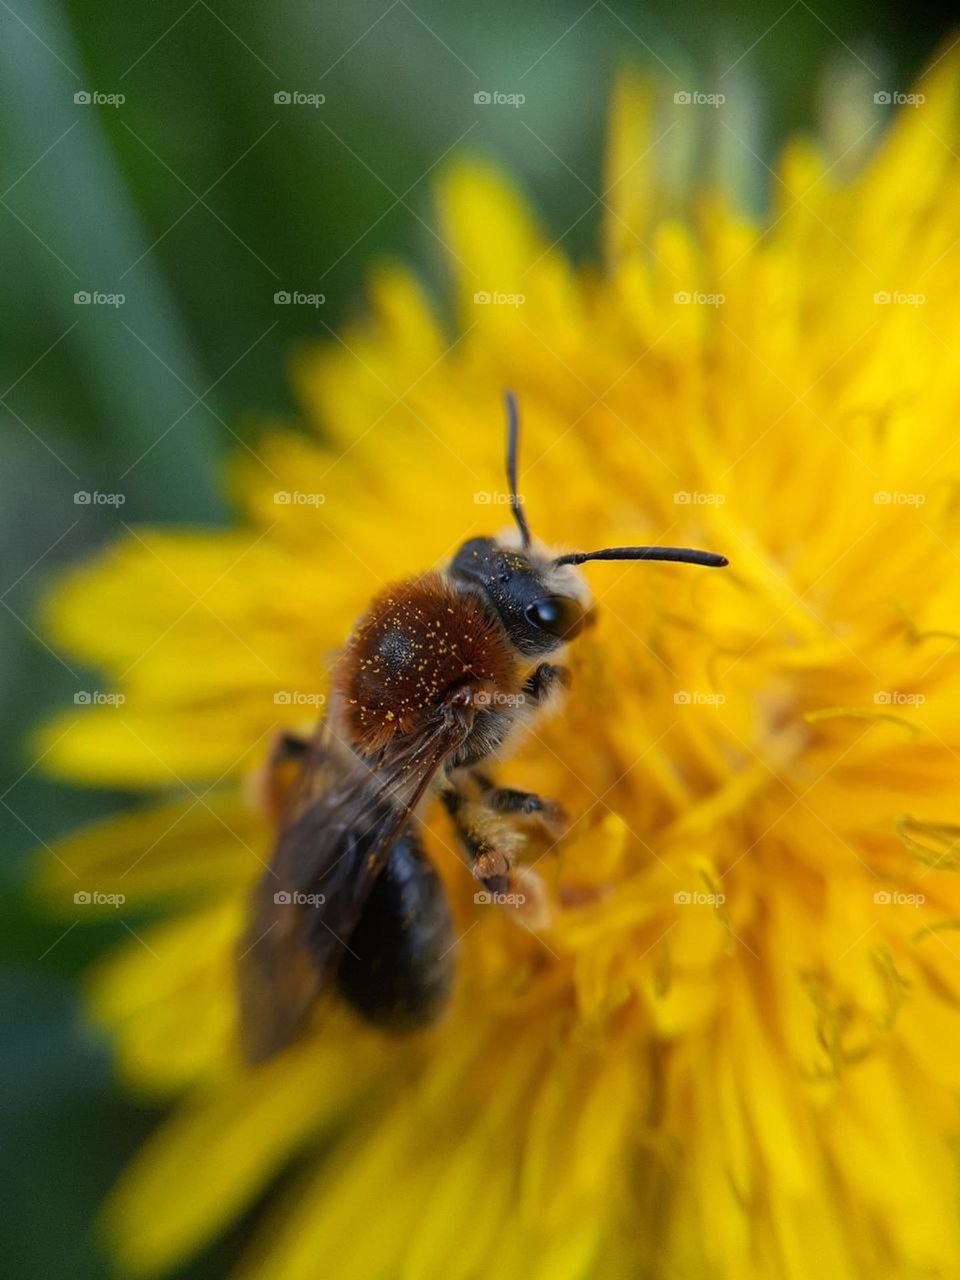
point(540, 599)
point(540, 604)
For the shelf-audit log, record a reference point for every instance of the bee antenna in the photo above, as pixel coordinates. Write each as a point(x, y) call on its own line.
point(513, 441)
point(683, 555)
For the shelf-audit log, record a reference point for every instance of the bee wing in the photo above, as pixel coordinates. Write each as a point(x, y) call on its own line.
point(330, 853)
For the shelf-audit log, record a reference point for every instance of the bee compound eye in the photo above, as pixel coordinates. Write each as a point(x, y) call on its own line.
point(559, 616)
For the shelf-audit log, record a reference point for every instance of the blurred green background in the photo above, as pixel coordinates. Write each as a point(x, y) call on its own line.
point(198, 199)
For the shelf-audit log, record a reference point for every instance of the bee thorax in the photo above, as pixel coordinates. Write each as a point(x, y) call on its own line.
point(420, 647)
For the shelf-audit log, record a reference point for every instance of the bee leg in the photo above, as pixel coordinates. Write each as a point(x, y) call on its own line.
point(545, 680)
point(288, 746)
point(272, 780)
point(508, 800)
point(490, 845)
point(488, 860)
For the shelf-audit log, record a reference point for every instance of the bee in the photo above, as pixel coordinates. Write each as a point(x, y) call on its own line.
point(437, 677)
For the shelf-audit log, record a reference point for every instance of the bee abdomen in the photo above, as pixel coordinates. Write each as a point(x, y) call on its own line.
point(398, 970)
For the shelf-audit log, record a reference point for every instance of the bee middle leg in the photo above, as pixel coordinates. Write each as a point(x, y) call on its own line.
point(526, 804)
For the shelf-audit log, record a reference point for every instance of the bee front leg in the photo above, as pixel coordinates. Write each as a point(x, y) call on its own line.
point(545, 680)
point(491, 844)
point(484, 846)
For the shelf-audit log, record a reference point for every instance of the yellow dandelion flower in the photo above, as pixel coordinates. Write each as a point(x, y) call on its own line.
point(732, 1048)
